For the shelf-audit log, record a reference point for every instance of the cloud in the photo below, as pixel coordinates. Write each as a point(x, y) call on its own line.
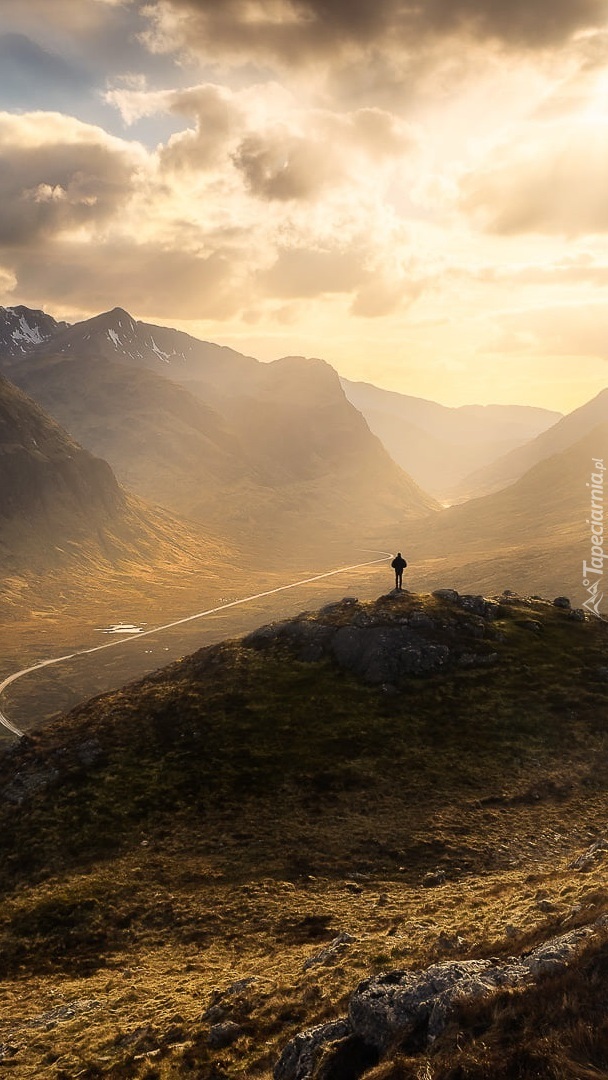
point(551, 179)
point(569, 330)
point(305, 272)
point(305, 31)
point(57, 174)
point(148, 279)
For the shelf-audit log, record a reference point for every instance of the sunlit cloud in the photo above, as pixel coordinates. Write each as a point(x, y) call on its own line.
point(409, 191)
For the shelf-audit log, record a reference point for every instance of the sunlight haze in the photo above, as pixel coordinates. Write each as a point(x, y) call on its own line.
point(416, 194)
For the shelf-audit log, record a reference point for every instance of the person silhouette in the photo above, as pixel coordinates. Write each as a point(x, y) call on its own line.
point(399, 564)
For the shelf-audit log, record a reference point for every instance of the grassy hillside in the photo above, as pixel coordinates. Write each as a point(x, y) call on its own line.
point(532, 536)
point(558, 438)
point(174, 853)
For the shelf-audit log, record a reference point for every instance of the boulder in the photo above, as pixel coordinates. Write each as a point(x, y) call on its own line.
point(301, 1056)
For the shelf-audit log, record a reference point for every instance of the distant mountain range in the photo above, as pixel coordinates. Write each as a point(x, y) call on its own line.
point(441, 446)
point(272, 455)
point(562, 435)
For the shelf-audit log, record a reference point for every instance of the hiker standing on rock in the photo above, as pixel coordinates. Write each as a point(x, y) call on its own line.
point(398, 564)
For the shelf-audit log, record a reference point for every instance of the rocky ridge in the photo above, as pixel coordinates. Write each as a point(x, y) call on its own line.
point(396, 637)
point(410, 1009)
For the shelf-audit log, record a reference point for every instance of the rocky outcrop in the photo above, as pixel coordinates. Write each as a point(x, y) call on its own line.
point(415, 1007)
point(387, 641)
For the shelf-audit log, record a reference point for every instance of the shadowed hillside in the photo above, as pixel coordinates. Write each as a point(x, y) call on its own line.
point(67, 525)
point(203, 864)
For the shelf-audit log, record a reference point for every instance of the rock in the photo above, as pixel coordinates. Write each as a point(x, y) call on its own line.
point(561, 602)
point(488, 609)
point(447, 594)
point(385, 654)
point(577, 615)
point(554, 955)
point(301, 1055)
point(353, 887)
point(396, 1006)
point(430, 880)
point(332, 952)
point(222, 1035)
point(591, 857)
point(339, 605)
point(529, 624)
point(545, 906)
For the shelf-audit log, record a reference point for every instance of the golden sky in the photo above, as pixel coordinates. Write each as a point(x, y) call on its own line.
point(417, 192)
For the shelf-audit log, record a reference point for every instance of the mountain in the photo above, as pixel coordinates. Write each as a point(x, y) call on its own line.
point(198, 867)
point(65, 522)
point(532, 535)
point(439, 445)
point(22, 329)
point(567, 431)
point(271, 455)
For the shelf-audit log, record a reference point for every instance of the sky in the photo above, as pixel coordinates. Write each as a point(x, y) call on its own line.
point(415, 191)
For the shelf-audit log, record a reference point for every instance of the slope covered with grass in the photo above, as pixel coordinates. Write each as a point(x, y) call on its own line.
point(416, 773)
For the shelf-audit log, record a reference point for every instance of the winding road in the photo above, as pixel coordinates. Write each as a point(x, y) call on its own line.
point(169, 626)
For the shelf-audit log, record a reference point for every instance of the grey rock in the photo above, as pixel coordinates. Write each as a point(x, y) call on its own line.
point(24, 785)
point(221, 1035)
point(561, 602)
point(339, 605)
point(591, 857)
point(430, 880)
point(577, 615)
point(397, 1005)
point(447, 594)
point(392, 1007)
point(554, 955)
point(88, 752)
point(302, 1054)
point(487, 609)
point(384, 654)
point(332, 952)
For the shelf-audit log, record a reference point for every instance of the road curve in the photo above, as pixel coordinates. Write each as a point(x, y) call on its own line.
point(169, 626)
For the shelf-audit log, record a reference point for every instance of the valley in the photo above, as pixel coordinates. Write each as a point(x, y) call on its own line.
point(282, 777)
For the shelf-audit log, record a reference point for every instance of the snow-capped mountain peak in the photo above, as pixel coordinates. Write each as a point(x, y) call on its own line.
point(23, 329)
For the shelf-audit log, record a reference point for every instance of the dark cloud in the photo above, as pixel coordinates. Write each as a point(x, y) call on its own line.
point(284, 167)
point(294, 31)
point(47, 188)
point(152, 280)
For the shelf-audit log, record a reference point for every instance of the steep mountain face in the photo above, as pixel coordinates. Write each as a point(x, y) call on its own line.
point(47, 481)
point(438, 445)
point(60, 505)
point(22, 329)
point(532, 535)
point(269, 454)
point(560, 436)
